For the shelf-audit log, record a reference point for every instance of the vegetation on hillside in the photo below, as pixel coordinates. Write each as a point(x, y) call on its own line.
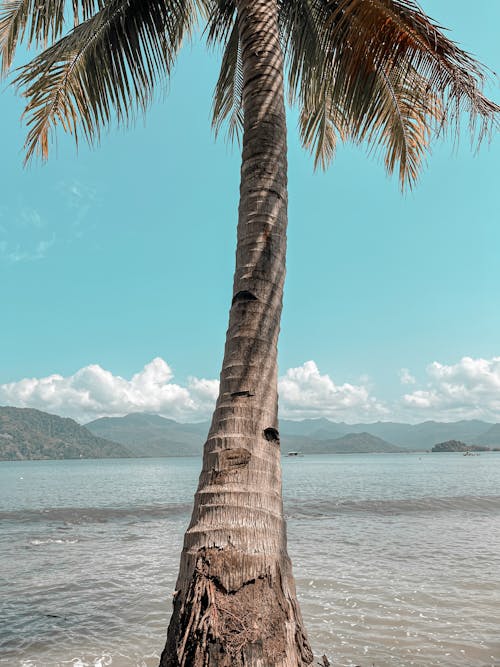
point(31, 434)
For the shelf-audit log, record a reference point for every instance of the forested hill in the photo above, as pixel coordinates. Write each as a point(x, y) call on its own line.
point(152, 435)
point(353, 443)
point(31, 434)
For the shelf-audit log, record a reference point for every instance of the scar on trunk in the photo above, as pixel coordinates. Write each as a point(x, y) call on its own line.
point(234, 458)
point(272, 435)
point(228, 462)
point(244, 295)
point(242, 394)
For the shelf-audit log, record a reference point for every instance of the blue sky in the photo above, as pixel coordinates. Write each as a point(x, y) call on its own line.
point(119, 255)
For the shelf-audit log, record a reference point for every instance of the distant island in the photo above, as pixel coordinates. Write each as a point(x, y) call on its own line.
point(457, 446)
point(27, 433)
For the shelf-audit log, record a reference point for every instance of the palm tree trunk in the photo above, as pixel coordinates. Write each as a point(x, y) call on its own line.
point(235, 602)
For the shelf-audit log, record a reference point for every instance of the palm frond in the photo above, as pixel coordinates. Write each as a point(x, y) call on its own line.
point(318, 130)
point(300, 26)
point(401, 125)
point(37, 23)
point(221, 16)
point(397, 34)
point(395, 113)
point(387, 75)
point(228, 104)
point(40, 20)
point(110, 61)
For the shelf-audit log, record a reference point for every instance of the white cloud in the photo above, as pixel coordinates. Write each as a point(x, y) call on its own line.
point(30, 217)
point(469, 389)
point(80, 198)
point(14, 254)
point(406, 377)
point(27, 234)
point(465, 390)
point(94, 392)
point(304, 392)
point(205, 391)
point(23, 236)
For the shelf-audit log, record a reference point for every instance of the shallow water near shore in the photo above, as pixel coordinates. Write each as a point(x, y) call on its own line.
point(396, 558)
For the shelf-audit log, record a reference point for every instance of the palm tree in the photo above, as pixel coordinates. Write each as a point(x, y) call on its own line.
point(375, 71)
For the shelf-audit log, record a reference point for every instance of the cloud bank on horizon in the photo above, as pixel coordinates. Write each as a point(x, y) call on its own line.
point(469, 389)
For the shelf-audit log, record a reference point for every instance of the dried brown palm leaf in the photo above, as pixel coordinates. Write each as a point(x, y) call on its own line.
point(388, 76)
point(318, 131)
point(396, 34)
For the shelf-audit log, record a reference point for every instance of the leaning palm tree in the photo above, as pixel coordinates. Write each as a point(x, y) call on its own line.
point(373, 71)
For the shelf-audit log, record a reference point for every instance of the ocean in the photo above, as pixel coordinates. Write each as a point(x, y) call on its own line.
point(396, 558)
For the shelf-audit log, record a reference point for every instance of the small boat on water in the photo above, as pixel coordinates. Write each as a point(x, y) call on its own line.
point(295, 454)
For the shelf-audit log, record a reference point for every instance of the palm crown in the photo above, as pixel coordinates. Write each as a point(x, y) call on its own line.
point(378, 71)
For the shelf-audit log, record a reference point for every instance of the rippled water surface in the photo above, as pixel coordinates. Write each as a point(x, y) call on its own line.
point(396, 557)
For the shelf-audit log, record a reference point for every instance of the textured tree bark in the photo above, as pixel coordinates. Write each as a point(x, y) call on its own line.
point(235, 602)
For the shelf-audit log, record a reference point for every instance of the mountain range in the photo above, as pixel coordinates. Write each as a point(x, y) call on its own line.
point(151, 435)
point(490, 437)
point(26, 433)
point(406, 436)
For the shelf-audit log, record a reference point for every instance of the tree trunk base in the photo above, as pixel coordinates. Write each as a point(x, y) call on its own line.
point(257, 625)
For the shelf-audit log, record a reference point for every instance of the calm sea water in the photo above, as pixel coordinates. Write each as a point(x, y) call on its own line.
point(396, 557)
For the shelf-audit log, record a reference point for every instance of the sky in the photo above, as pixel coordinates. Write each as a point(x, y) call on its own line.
point(116, 266)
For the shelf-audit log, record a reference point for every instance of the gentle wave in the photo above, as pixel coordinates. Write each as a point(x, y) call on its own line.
point(82, 515)
point(315, 508)
point(50, 540)
point(295, 508)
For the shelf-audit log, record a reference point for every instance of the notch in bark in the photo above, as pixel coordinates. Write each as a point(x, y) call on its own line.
point(228, 462)
point(231, 459)
point(272, 435)
point(243, 295)
point(242, 394)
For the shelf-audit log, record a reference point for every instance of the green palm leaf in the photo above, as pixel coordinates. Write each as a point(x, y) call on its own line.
point(227, 105)
point(110, 62)
point(38, 22)
point(373, 71)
